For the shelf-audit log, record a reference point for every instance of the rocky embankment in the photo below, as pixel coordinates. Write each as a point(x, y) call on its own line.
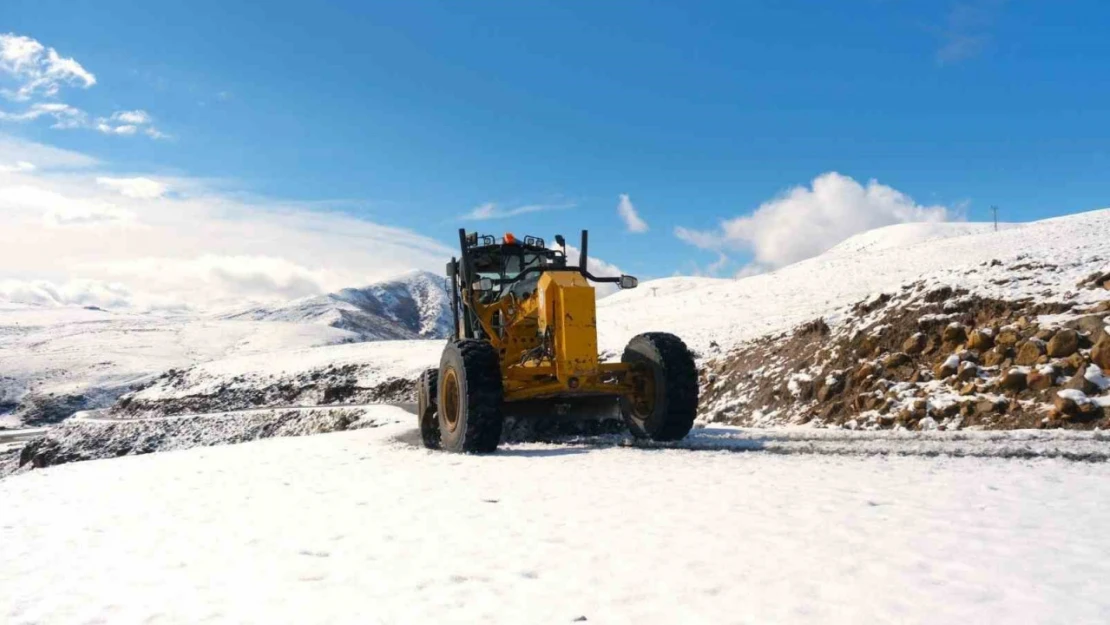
point(89, 438)
point(927, 357)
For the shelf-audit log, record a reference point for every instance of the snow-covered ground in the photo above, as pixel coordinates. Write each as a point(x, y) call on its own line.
point(368, 527)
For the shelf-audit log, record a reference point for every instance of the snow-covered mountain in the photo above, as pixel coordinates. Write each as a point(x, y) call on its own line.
point(410, 306)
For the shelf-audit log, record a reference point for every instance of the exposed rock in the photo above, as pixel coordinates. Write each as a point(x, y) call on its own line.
point(1073, 363)
point(988, 407)
point(895, 360)
point(1039, 381)
point(1100, 353)
point(968, 389)
point(968, 371)
point(980, 341)
point(1065, 405)
point(832, 386)
point(994, 357)
point(915, 344)
point(1063, 344)
point(865, 371)
point(1014, 380)
point(1093, 326)
point(954, 333)
point(1029, 352)
point(947, 368)
point(1007, 337)
point(1079, 382)
point(1045, 334)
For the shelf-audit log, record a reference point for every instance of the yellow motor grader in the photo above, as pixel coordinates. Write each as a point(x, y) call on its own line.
point(525, 334)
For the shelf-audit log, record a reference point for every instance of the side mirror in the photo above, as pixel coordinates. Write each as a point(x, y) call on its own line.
point(629, 282)
point(483, 284)
point(451, 268)
point(560, 241)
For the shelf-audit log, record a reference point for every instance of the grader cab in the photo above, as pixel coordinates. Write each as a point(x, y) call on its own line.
point(525, 334)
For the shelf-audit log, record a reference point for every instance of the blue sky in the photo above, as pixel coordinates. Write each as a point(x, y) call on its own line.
point(414, 114)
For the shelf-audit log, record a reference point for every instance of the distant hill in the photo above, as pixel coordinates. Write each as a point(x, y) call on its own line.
point(413, 305)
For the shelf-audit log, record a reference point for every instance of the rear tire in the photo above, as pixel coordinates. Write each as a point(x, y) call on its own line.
point(668, 400)
point(469, 397)
point(427, 394)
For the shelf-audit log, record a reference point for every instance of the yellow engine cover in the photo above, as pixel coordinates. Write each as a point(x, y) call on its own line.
point(567, 306)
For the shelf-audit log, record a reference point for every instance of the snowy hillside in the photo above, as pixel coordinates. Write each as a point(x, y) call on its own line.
point(54, 361)
point(727, 312)
point(413, 305)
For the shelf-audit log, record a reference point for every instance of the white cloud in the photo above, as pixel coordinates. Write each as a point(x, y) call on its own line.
point(196, 247)
point(38, 72)
point(38, 69)
point(140, 187)
point(57, 210)
point(132, 117)
point(806, 221)
point(128, 123)
point(631, 218)
point(490, 210)
point(70, 293)
point(17, 167)
point(64, 115)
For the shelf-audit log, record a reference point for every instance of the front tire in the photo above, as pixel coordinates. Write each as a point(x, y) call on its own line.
point(666, 402)
point(426, 396)
point(469, 397)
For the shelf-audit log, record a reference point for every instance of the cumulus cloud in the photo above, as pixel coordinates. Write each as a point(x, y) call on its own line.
point(490, 210)
point(807, 220)
point(129, 123)
point(140, 187)
point(34, 71)
point(196, 247)
point(37, 69)
point(629, 215)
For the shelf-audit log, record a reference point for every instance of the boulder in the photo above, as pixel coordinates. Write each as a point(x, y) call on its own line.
point(980, 341)
point(1073, 363)
point(1007, 337)
point(967, 371)
point(968, 389)
point(915, 344)
point(1093, 326)
point(994, 357)
point(1045, 334)
point(1063, 344)
point(947, 368)
point(1066, 405)
point(954, 333)
point(1013, 381)
point(1100, 353)
point(865, 371)
point(988, 407)
point(1079, 382)
point(1029, 352)
point(1039, 381)
point(895, 360)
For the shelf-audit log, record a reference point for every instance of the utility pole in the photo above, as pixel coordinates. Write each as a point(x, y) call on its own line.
point(994, 209)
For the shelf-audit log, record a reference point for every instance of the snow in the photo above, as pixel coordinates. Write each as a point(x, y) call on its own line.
point(366, 527)
point(1095, 376)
